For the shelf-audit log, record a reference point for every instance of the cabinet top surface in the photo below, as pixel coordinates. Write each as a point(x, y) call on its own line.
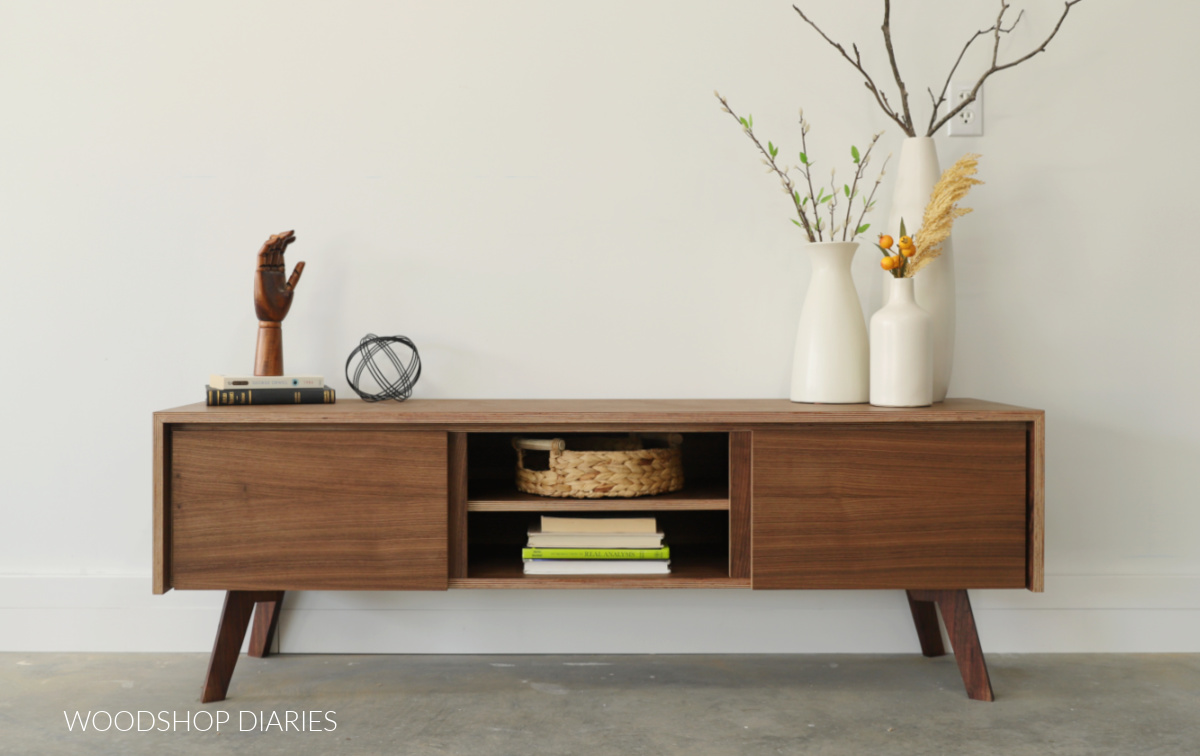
point(454, 412)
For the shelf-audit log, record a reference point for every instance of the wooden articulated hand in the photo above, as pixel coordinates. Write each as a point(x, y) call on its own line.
point(272, 294)
point(272, 300)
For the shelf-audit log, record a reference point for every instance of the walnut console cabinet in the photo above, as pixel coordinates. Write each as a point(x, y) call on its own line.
point(256, 501)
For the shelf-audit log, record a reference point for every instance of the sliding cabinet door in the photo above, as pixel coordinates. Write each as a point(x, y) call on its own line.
point(890, 505)
point(306, 509)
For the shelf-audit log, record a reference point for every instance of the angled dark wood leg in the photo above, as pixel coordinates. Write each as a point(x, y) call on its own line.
point(964, 638)
point(230, 633)
point(929, 632)
point(262, 630)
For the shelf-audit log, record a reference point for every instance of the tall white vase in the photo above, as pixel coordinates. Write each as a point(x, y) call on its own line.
point(901, 350)
point(830, 365)
point(916, 174)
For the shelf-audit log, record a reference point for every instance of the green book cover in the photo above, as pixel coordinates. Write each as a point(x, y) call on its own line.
point(663, 553)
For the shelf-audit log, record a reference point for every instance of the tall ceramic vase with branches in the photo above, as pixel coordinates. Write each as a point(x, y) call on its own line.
point(918, 169)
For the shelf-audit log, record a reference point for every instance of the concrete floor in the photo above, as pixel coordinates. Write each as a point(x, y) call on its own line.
point(620, 705)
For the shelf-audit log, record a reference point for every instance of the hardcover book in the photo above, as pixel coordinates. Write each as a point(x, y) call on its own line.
point(265, 381)
point(245, 396)
point(598, 567)
point(538, 539)
point(628, 554)
point(599, 524)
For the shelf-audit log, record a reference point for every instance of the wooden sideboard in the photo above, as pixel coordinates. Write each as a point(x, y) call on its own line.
point(257, 501)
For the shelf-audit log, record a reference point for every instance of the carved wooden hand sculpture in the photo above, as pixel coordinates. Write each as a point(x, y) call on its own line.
point(272, 300)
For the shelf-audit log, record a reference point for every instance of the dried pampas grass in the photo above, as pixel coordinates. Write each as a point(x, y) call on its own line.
point(942, 211)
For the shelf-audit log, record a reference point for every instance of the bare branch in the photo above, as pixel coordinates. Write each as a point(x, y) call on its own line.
point(833, 204)
point(869, 82)
point(870, 200)
point(996, 29)
point(1016, 21)
point(806, 170)
point(859, 172)
point(887, 40)
point(937, 101)
point(996, 66)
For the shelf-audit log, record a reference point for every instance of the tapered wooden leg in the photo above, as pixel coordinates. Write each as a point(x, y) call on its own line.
point(262, 630)
point(929, 632)
point(964, 639)
point(230, 634)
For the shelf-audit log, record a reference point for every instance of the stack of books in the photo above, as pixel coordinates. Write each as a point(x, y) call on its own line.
point(227, 390)
point(596, 546)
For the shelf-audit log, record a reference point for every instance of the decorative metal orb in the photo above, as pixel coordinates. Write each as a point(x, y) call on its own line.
point(396, 383)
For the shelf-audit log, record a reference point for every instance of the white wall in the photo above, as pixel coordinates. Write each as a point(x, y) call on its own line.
point(547, 198)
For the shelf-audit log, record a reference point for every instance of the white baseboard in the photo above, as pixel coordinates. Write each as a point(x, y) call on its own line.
point(1077, 613)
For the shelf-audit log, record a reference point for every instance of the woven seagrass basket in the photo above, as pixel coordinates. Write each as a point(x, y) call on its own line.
point(601, 467)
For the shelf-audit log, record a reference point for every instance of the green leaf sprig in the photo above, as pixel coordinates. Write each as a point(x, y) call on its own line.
point(817, 213)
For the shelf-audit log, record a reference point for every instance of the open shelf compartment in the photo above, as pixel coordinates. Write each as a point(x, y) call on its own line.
point(494, 518)
point(699, 542)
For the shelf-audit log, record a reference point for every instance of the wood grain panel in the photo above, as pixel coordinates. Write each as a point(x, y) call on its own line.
point(162, 514)
point(317, 510)
point(1036, 449)
point(685, 573)
point(909, 506)
point(495, 415)
point(458, 504)
point(503, 497)
point(739, 504)
point(647, 582)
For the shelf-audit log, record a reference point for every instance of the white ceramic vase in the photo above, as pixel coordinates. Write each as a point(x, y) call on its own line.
point(916, 174)
point(901, 350)
point(830, 364)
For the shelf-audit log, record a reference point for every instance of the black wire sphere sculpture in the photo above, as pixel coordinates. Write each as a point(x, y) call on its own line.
point(399, 387)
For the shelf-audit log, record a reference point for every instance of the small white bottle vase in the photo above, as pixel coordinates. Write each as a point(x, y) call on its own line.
point(830, 364)
point(901, 350)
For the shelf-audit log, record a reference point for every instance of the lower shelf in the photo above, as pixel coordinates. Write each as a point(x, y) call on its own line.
point(699, 541)
point(685, 573)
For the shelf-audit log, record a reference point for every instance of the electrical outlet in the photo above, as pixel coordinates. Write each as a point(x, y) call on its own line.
point(969, 120)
